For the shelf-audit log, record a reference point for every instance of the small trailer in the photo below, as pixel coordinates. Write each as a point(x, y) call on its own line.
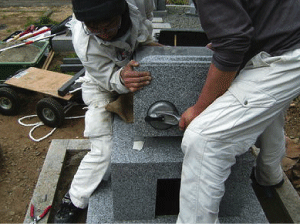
point(54, 85)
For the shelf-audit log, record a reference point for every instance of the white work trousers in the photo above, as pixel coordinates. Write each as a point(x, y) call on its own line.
point(98, 127)
point(252, 109)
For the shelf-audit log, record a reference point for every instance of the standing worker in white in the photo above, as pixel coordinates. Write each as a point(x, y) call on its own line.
point(253, 77)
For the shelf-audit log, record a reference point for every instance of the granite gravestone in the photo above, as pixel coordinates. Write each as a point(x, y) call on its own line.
point(144, 185)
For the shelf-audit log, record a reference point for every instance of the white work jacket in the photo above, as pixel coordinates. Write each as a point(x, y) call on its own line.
point(103, 60)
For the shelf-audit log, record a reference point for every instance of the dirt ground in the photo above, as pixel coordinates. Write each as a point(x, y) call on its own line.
point(21, 159)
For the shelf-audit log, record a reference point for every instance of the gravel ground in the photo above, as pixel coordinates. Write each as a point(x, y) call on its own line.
point(180, 18)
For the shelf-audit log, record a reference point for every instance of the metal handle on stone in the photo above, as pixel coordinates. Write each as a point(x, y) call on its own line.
point(149, 118)
point(161, 117)
point(172, 115)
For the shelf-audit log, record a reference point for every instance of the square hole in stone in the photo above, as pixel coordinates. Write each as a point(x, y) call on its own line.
point(167, 197)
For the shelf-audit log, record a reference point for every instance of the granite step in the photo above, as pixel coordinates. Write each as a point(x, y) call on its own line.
point(133, 194)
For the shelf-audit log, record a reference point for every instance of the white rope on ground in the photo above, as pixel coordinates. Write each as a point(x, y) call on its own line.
point(38, 124)
point(42, 138)
point(75, 90)
point(28, 125)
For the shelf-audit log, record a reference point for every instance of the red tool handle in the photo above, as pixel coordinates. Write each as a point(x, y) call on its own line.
point(28, 30)
point(32, 211)
point(34, 34)
point(29, 42)
point(45, 211)
point(40, 32)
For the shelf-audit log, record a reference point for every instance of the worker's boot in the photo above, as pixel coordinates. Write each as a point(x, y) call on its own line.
point(67, 212)
point(268, 190)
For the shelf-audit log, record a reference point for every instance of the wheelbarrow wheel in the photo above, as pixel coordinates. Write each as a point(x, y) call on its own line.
point(50, 112)
point(9, 101)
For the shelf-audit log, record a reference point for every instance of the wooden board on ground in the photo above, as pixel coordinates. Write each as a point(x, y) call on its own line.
point(40, 80)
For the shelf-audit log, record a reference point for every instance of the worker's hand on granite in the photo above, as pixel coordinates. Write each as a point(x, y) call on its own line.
point(154, 44)
point(134, 80)
point(187, 117)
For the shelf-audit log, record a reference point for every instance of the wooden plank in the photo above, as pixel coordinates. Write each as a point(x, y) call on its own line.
point(42, 81)
point(48, 60)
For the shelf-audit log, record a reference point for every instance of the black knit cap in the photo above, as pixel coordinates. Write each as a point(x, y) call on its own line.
point(91, 10)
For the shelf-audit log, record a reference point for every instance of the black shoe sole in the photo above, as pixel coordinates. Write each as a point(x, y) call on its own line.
point(268, 190)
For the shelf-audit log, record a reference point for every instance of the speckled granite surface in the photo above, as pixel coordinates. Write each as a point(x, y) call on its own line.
point(178, 76)
point(131, 194)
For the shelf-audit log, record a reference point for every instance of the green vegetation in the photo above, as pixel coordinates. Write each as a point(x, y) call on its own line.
point(177, 2)
point(56, 68)
point(71, 55)
point(41, 22)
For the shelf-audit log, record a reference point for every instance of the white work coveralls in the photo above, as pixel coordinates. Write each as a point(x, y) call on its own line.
point(254, 106)
point(103, 61)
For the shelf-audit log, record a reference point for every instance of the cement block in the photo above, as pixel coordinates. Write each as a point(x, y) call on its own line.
point(161, 25)
point(62, 43)
point(135, 174)
point(178, 76)
point(157, 20)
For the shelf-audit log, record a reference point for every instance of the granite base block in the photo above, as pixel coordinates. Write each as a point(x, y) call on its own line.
point(135, 173)
point(101, 211)
point(178, 75)
point(132, 194)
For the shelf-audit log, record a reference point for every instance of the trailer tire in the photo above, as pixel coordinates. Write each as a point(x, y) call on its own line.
point(50, 112)
point(9, 101)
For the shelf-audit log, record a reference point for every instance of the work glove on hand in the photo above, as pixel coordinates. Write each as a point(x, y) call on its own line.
point(134, 80)
point(123, 106)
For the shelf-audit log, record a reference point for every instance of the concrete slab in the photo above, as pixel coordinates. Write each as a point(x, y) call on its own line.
point(157, 20)
point(161, 25)
point(46, 186)
point(290, 199)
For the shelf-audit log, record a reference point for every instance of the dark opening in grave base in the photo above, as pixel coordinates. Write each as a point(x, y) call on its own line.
point(167, 197)
point(183, 37)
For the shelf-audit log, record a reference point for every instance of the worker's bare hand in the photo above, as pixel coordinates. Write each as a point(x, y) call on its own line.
point(209, 46)
point(134, 80)
point(154, 44)
point(187, 117)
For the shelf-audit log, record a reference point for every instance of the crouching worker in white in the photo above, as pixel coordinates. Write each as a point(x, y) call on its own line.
point(105, 34)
